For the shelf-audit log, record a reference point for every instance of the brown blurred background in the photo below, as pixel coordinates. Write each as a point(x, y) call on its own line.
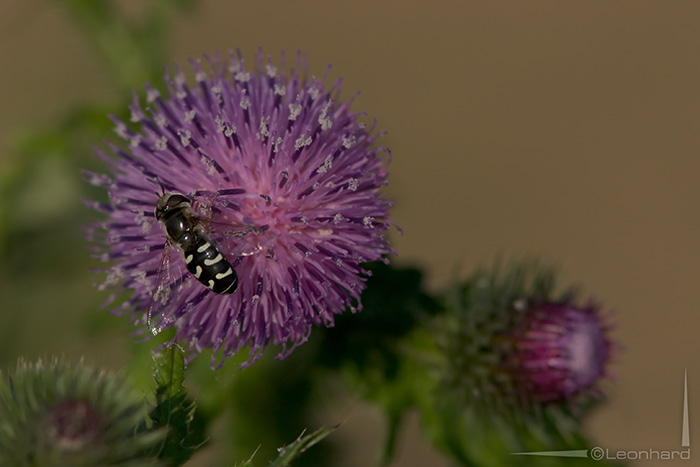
point(567, 130)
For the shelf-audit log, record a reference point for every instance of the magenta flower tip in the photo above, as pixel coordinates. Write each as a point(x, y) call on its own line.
point(275, 174)
point(559, 351)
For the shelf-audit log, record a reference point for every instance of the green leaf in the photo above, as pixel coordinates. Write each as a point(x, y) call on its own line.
point(174, 411)
point(303, 442)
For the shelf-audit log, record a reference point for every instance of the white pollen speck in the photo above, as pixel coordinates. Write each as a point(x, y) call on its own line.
point(200, 76)
point(160, 120)
point(349, 141)
point(229, 130)
point(216, 90)
point(180, 79)
point(276, 144)
point(145, 222)
point(152, 95)
point(302, 141)
point(143, 249)
point(204, 160)
point(189, 115)
point(140, 278)
point(255, 299)
point(307, 254)
point(113, 277)
point(98, 180)
point(353, 184)
point(161, 294)
point(185, 136)
point(323, 119)
point(242, 76)
point(234, 67)
point(135, 141)
point(271, 70)
point(337, 219)
point(245, 103)
point(330, 185)
point(316, 186)
point(294, 111)
point(280, 90)
point(264, 131)
point(162, 143)
point(327, 164)
point(339, 262)
point(136, 115)
point(313, 92)
point(367, 220)
point(220, 123)
point(121, 130)
point(181, 95)
point(304, 220)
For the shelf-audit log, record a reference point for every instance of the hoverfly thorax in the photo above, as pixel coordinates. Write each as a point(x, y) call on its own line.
point(175, 212)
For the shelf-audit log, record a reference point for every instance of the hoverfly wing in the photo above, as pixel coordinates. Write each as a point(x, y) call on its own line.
point(235, 239)
point(167, 287)
point(236, 236)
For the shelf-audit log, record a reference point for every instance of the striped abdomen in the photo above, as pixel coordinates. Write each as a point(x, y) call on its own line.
point(209, 266)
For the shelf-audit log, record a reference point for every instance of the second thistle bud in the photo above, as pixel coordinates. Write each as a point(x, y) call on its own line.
point(513, 343)
point(558, 351)
point(520, 364)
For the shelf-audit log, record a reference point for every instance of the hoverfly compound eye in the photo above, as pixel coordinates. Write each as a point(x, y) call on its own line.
point(168, 202)
point(175, 200)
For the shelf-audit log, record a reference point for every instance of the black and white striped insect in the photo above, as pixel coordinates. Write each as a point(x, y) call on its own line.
point(202, 257)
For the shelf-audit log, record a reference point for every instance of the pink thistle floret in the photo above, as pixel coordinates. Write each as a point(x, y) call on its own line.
point(283, 171)
point(559, 351)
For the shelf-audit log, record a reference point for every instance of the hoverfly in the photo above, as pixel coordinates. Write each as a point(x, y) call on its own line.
point(186, 228)
point(203, 259)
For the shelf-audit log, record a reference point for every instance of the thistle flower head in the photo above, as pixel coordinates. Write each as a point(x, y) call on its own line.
point(58, 414)
point(280, 178)
point(514, 345)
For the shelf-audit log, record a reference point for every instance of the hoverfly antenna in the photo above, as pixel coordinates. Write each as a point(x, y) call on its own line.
point(162, 191)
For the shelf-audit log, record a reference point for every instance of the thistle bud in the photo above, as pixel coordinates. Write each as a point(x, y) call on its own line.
point(58, 414)
point(513, 343)
point(558, 351)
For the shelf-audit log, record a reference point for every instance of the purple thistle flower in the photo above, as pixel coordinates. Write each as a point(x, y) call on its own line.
point(558, 351)
point(282, 179)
